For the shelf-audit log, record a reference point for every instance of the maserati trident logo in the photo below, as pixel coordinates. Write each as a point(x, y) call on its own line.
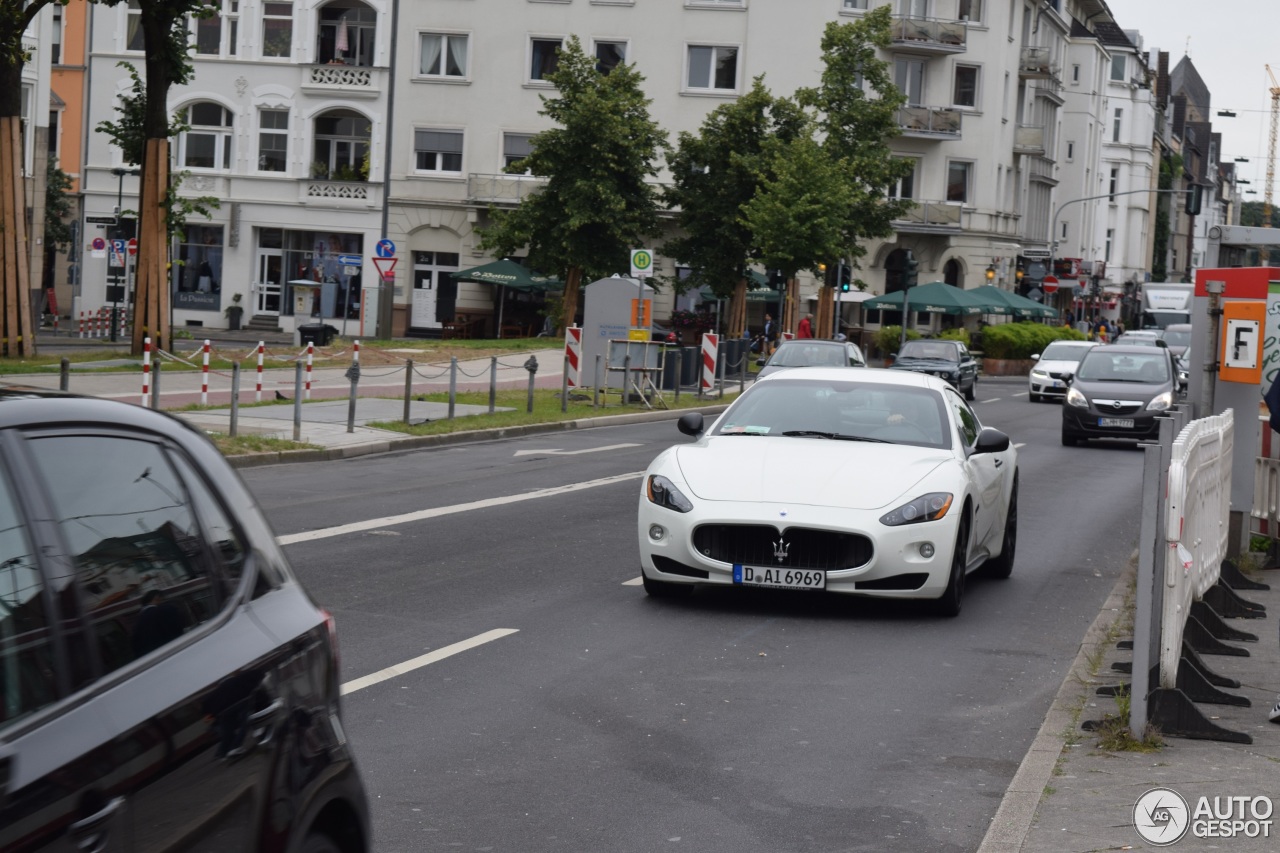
point(780, 549)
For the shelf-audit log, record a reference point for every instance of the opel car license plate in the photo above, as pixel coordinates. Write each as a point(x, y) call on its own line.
point(779, 578)
point(1126, 423)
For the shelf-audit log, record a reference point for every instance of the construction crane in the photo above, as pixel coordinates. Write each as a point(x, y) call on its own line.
point(1271, 160)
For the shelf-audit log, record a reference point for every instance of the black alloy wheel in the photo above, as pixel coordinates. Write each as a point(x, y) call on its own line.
point(664, 589)
point(948, 604)
point(1002, 566)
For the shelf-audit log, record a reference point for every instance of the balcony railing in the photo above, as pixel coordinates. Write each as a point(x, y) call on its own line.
point(357, 81)
point(1028, 139)
point(1035, 63)
point(929, 35)
point(359, 192)
point(935, 122)
point(932, 216)
point(501, 189)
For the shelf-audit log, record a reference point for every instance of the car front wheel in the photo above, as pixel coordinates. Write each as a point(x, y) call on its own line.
point(1068, 440)
point(949, 602)
point(1002, 566)
point(664, 589)
point(972, 391)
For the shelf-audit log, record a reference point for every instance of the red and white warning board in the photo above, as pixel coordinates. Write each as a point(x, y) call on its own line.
point(573, 356)
point(710, 352)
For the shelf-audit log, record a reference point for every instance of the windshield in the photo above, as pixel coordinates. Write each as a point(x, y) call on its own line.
point(809, 355)
point(940, 351)
point(1177, 338)
point(1102, 366)
point(1060, 351)
point(852, 411)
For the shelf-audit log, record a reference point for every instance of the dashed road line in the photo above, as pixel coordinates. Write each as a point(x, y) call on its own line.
point(423, 660)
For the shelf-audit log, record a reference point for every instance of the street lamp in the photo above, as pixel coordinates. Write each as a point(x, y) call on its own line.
point(120, 173)
point(116, 290)
point(991, 273)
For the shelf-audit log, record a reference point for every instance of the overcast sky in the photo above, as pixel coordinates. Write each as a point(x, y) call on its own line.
point(1231, 42)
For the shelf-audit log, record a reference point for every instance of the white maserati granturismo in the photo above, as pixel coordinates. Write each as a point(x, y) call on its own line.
point(872, 483)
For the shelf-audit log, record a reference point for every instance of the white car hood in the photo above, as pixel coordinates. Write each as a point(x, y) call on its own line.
point(821, 472)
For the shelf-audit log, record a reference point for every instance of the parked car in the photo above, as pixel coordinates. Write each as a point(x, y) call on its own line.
point(1054, 368)
point(810, 352)
point(1118, 392)
point(165, 682)
point(1177, 337)
point(861, 482)
point(949, 360)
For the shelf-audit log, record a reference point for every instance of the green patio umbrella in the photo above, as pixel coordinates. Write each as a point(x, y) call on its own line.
point(936, 297)
point(1013, 304)
point(508, 275)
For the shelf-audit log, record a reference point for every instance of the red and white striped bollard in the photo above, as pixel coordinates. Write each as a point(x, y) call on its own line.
point(311, 350)
point(257, 398)
point(204, 376)
point(710, 350)
point(573, 356)
point(146, 370)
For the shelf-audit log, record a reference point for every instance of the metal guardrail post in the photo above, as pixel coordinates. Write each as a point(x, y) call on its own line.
point(297, 400)
point(531, 365)
point(408, 387)
point(493, 383)
point(1146, 611)
point(64, 375)
point(595, 390)
point(626, 379)
point(235, 397)
point(453, 385)
point(742, 376)
point(155, 385)
point(679, 372)
point(564, 386)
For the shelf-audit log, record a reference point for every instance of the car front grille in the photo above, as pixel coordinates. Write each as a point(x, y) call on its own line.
point(793, 547)
point(1060, 374)
point(1117, 408)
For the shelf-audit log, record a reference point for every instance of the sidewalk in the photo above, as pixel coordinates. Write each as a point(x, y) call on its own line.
point(1069, 796)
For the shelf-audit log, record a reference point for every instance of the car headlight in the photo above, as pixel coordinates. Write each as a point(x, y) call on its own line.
point(1039, 374)
point(928, 507)
point(663, 492)
point(1075, 398)
point(1161, 402)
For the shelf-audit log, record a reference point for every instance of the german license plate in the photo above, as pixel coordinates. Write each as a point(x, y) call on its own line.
point(779, 578)
point(1123, 423)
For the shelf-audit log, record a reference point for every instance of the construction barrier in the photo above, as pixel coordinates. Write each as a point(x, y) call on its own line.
point(710, 354)
point(572, 356)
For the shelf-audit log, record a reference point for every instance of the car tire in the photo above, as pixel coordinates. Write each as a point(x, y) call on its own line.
point(1036, 398)
point(318, 842)
point(1068, 440)
point(1002, 566)
point(972, 391)
point(948, 604)
point(664, 589)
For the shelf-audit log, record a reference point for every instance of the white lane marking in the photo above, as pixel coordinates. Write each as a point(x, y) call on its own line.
point(422, 660)
point(555, 452)
point(1021, 393)
point(437, 512)
point(992, 400)
point(634, 581)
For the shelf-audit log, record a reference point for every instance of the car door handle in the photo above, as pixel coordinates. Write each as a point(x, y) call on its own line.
point(91, 833)
point(262, 722)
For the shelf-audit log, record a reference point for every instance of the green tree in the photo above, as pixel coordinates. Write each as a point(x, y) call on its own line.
point(1170, 165)
point(596, 204)
point(857, 107)
point(57, 207)
point(715, 173)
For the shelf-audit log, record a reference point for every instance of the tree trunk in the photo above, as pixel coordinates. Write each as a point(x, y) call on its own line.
point(151, 285)
point(17, 335)
point(790, 306)
point(569, 308)
point(736, 319)
point(826, 313)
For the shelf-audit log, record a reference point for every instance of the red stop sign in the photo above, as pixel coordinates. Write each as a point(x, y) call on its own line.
point(132, 245)
point(1050, 284)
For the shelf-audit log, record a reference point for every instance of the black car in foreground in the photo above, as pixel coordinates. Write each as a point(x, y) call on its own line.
point(165, 682)
point(949, 360)
point(1118, 392)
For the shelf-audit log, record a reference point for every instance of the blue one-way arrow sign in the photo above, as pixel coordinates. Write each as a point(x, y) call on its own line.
point(351, 260)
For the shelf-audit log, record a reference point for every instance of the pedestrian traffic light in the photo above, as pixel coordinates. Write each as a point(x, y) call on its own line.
point(911, 271)
point(846, 278)
point(1195, 193)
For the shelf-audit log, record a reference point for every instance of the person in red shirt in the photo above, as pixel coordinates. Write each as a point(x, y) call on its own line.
point(805, 329)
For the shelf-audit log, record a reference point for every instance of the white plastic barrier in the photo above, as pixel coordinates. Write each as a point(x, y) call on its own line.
point(1265, 512)
point(1195, 529)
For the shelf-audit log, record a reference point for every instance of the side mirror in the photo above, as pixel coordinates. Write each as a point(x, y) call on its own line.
point(1035, 356)
point(1068, 379)
point(690, 423)
point(991, 440)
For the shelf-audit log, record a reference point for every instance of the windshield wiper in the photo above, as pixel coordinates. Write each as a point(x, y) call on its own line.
point(813, 433)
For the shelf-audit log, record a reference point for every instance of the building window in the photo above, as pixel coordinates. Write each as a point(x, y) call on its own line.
point(207, 142)
point(516, 147)
point(438, 151)
point(915, 8)
point(966, 88)
point(1075, 74)
point(1071, 151)
point(443, 55)
point(273, 140)
point(544, 57)
point(609, 55)
point(908, 75)
point(970, 10)
point(348, 32)
point(958, 181)
point(1115, 127)
point(855, 4)
point(133, 28)
point(200, 267)
point(1117, 67)
point(341, 146)
point(277, 29)
point(55, 49)
point(713, 68)
point(1115, 182)
point(1111, 235)
point(1064, 231)
point(208, 33)
point(906, 185)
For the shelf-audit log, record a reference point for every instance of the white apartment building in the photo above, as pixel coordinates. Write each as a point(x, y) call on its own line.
point(320, 152)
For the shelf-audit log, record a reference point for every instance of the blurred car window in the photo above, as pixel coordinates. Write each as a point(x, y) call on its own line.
point(26, 655)
point(1063, 351)
point(142, 573)
point(930, 349)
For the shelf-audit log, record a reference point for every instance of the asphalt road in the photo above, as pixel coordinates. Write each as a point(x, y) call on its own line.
point(596, 719)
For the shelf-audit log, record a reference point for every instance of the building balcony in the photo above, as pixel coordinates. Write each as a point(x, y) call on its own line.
point(928, 35)
point(932, 217)
point(501, 189)
point(1035, 63)
point(347, 81)
point(354, 194)
point(929, 122)
point(1041, 169)
point(1028, 139)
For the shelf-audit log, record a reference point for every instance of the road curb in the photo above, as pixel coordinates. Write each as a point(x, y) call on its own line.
point(1013, 819)
point(418, 442)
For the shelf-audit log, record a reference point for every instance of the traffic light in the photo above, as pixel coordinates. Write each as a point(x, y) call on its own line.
point(911, 271)
point(1195, 193)
point(846, 278)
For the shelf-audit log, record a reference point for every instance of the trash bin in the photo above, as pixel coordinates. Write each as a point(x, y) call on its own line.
point(733, 352)
point(670, 355)
point(320, 334)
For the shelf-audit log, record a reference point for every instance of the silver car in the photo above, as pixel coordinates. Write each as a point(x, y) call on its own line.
point(1054, 368)
point(810, 352)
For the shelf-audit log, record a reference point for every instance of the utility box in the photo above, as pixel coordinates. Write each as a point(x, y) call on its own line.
point(613, 308)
